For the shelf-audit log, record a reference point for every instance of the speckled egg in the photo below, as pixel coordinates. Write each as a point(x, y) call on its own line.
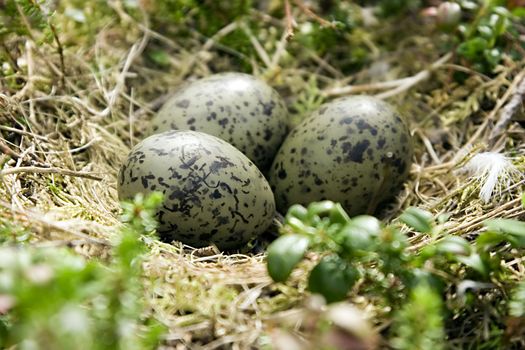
point(212, 192)
point(235, 107)
point(354, 150)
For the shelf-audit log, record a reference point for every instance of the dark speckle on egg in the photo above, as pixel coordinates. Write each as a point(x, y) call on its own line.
point(354, 150)
point(182, 103)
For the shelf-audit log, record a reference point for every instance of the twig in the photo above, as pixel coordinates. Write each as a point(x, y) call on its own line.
point(416, 79)
point(135, 51)
point(279, 51)
point(289, 20)
point(64, 243)
point(428, 146)
point(509, 110)
point(131, 115)
point(325, 65)
point(10, 57)
point(396, 86)
point(257, 46)
point(60, 50)
point(30, 71)
point(52, 170)
point(23, 132)
point(74, 150)
point(352, 89)
point(149, 107)
point(30, 46)
point(214, 40)
point(492, 114)
point(467, 70)
point(313, 15)
point(32, 216)
point(508, 208)
point(8, 151)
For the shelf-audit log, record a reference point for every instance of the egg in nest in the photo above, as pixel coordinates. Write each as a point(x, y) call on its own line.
point(236, 107)
point(354, 150)
point(213, 194)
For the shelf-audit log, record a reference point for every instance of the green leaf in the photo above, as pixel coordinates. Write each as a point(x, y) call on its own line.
point(284, 254)
point(320, 208)
point(475, 262)
point(502, 11)
point(454, 245)
point(298, 226)
point(486, 32)
point(513, 229)
point(420, 323)
point(418, 219)
point(338, 215)
point(493, 56)
point(509, 226)
point(361, 233)
point(367, 223)
point(297, 211)
point(332, 277)
point(472, 49)
point(489, 239)
point(500, 24)
point(428, 252)
point(517, 302)
point(523, 197)
point(153, 200)
point(442, 218)
point(519, 12)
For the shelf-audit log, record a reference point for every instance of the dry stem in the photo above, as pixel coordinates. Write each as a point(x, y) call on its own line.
point(51, 170)
point(396, 86)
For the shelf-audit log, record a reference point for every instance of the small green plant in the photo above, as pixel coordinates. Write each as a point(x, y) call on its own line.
point(19, 16)
point(485, 31)
point(396, 7)
point(207, 16)
point(54, 299)
point(13, 234)
point(347, 246)
point(31, 19)
point(483, 40)
point(419, 324)
point(308, 99)
point(517, 303)
point(362, 249)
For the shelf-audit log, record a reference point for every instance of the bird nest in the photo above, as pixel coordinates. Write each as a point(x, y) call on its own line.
point(74, 107)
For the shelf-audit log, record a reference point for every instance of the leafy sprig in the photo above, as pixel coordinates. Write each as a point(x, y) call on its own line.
point(363, 249)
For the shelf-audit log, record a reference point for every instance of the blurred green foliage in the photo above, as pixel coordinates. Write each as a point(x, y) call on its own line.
point(204, 16)
point(51, 298)
point(19, 16)
point(397, 7)
point(485, 31)
point(419, 325)
point(517, 303)
point(410, 283)
point(484, 40)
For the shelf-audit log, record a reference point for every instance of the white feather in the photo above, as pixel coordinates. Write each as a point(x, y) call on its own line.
point(494, 172)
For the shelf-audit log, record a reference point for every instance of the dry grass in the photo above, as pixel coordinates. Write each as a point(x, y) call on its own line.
point(65, 134)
